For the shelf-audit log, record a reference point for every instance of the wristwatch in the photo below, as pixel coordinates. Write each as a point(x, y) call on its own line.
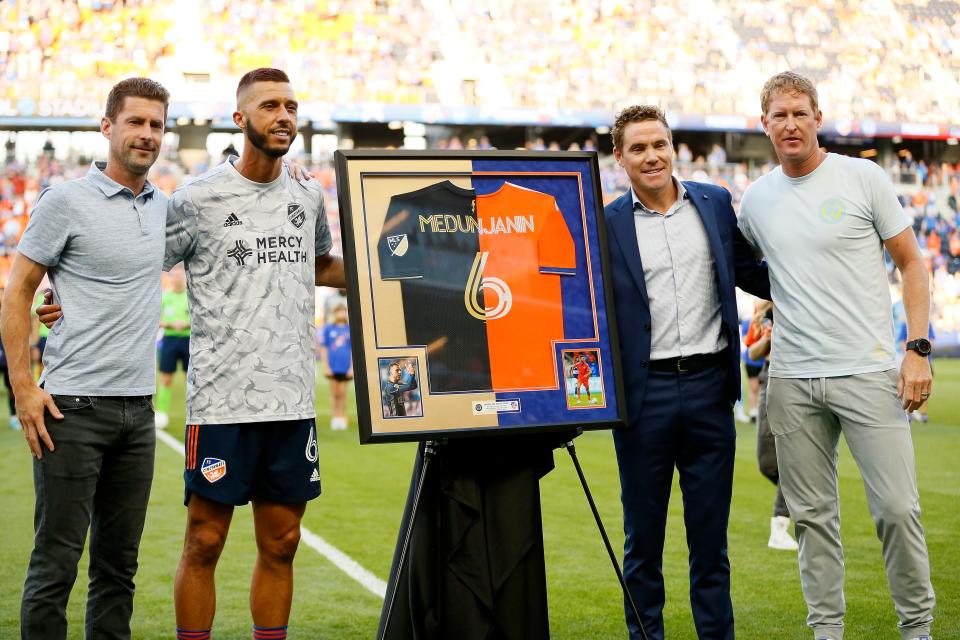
point(920, 345)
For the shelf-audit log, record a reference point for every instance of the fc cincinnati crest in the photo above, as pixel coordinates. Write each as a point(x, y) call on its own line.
point(398, 245)
point(296, 214)
point(213, 469)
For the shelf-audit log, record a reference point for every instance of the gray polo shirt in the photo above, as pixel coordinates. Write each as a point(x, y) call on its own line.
point(103, 248)
point(681, 280)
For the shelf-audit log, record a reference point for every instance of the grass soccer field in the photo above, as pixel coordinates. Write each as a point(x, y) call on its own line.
point(363, 496)
point(601, 400)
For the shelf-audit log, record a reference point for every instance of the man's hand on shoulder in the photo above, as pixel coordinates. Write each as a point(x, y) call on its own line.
point(48, 313)
point(297, 172)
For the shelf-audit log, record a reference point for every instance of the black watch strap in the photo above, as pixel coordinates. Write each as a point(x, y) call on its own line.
point(920, 345)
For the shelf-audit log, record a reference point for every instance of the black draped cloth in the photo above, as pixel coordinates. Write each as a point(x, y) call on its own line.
point(474, 569)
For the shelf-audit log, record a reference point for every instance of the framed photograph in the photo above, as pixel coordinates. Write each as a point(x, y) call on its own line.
point(477, 292)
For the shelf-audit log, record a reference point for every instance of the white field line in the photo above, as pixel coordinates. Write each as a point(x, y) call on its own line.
point(340, 560)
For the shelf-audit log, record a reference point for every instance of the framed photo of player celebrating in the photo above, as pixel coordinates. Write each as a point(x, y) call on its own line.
point(477, 293)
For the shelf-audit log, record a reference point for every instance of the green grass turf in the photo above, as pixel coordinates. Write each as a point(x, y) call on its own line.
point(584, 403)
point(359, 512)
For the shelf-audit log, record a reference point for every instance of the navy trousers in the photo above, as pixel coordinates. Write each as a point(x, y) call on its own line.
point(687, 423)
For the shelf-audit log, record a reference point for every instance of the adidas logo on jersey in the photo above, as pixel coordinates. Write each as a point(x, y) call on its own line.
point(232, 221)
point(315, 476)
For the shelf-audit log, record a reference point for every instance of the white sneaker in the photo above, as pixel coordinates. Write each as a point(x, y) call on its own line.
point(594, 401)
point(339, 424)
point(739, 414)
point(161, 420)
point(780, 536)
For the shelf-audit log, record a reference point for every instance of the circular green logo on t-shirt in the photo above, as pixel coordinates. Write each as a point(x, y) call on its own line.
point(831, 210)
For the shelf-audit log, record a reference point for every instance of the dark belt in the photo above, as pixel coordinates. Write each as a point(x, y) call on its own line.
point(690, 364)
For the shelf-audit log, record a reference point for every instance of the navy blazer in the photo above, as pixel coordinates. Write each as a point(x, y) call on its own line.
point(736, 265)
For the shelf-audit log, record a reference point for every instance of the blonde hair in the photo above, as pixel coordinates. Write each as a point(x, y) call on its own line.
point(791, 82)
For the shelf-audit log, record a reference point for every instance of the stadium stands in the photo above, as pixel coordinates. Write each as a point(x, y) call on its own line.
point(893, 61)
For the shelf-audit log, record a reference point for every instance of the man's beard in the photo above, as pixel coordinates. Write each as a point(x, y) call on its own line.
point(135, 165)
point(259, 141)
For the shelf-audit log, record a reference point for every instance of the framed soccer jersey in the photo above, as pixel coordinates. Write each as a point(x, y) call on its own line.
point(472, 278)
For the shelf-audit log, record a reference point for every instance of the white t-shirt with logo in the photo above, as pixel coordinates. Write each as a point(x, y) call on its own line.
point(248, 249)
point(822, 235)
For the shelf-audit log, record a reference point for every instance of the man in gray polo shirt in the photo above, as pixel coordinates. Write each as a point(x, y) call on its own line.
point(823, 220)
point(89, 425)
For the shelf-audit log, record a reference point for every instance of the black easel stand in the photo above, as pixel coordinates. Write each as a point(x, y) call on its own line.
point(603, 534)
point(429, 450)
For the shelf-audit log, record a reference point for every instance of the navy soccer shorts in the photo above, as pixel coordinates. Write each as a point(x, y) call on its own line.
point(174, 349)
point(237, 463)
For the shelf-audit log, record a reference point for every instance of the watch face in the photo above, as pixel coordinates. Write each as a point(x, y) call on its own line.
point(921, 346)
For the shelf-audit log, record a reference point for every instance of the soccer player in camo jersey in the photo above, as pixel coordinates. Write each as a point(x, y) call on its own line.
point(254, 242)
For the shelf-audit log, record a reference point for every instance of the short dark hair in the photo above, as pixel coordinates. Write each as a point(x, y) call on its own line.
point(135, 88)
point(263, 74)
point(637, 113)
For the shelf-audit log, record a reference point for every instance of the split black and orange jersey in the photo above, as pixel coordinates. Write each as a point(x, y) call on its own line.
point(480, 281)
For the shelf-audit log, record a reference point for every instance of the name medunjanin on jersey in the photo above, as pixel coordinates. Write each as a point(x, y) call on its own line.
point(450, 223)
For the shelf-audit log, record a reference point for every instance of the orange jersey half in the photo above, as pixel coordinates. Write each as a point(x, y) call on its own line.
point(528, 249)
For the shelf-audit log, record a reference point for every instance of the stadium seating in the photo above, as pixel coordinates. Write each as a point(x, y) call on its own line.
point(902, 63)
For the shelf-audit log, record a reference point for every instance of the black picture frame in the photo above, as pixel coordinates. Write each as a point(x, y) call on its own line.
point(365, 178)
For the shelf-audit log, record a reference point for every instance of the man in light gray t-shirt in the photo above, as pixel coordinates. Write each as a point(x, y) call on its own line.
point(91, 427)
point(822, 221)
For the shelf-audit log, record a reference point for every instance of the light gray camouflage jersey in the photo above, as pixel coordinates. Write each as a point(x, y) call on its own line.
point(249, 260)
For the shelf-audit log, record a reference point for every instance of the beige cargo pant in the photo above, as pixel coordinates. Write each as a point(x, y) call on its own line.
point(807, 416)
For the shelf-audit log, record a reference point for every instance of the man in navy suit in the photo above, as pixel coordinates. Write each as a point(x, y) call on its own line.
point(675, 256)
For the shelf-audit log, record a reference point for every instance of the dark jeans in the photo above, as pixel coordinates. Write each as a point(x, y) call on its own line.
point(97, 477)
point(686, 423)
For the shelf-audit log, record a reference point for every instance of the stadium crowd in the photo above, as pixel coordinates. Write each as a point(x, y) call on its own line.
point(59, 57)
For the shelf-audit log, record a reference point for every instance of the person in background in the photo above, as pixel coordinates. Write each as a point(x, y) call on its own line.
point(750, 329)
point(11, 399)
point(175, 345)
point(758, 344)
point(338, 365)
point(38, 336)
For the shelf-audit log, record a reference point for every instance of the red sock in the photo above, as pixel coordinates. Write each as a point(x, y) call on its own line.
point(269, 633)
